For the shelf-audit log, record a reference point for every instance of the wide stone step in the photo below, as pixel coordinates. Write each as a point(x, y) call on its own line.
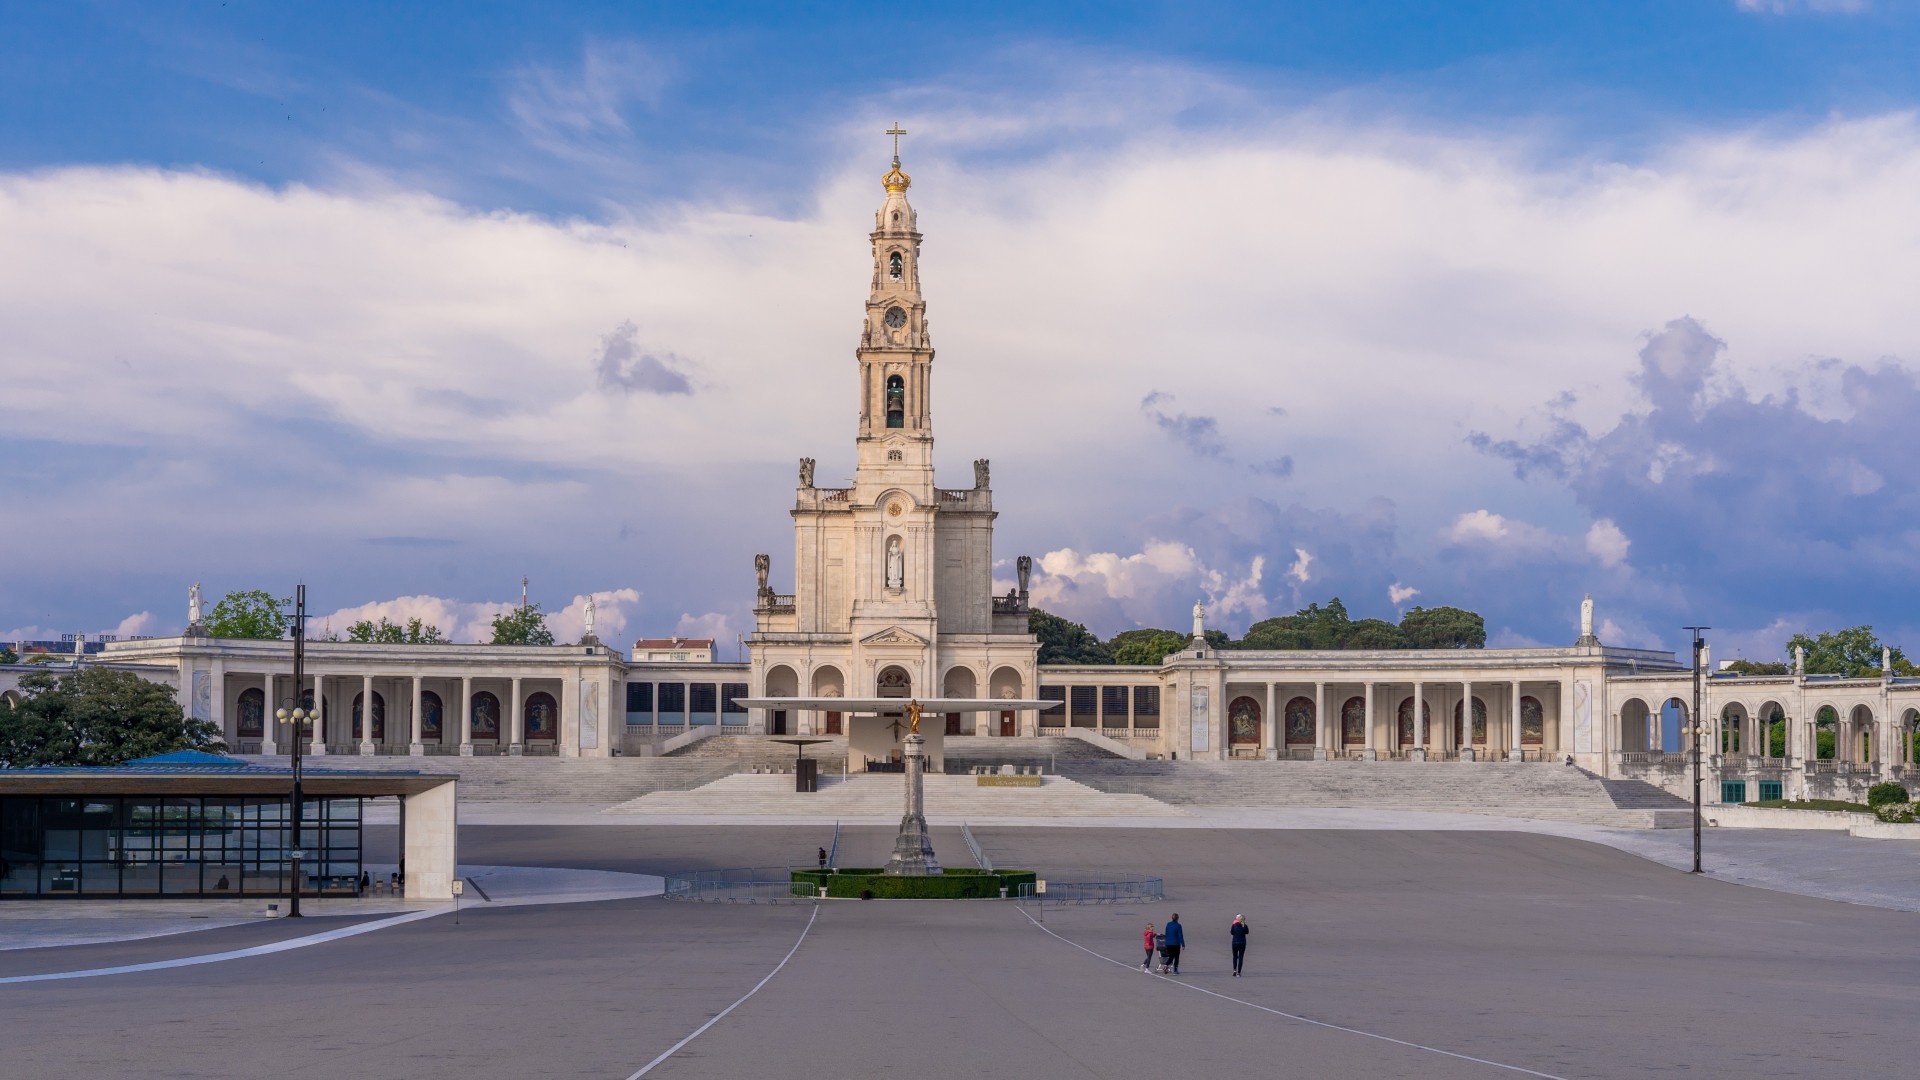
point(882, 797)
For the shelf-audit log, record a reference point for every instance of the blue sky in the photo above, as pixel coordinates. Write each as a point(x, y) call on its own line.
point(1396, 301)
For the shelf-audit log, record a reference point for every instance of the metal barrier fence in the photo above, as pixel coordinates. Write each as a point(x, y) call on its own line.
point(973, 846)
point(1094, 887)
point(746, 885)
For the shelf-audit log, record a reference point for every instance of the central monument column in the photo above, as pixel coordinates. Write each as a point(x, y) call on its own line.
point(912, 850)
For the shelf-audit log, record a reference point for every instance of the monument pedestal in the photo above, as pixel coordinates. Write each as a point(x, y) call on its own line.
point(912, 850)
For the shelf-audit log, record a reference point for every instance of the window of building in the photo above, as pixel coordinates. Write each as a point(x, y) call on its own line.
point(1113, 706)
point(1770, 791)
point(1053, 717)
point(1084, 706)
point(705, 706)
point(1733, 791)
point(1146, 706)
point(639, 703)
point(731, 711)
point(673, 703)
point(896, 400)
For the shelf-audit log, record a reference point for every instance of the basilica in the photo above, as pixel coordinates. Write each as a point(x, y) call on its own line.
point(892, 597)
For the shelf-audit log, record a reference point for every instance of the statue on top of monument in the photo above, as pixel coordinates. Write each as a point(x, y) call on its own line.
point(193, 604)
point(981, 474)
point(1024, 567)
point(589, 615)
point(761, 565)
point(1586, 617)
point(806, 472)
point(1200, 620)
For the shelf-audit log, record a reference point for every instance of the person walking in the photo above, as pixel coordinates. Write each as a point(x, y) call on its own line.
point(1238, 931)
point(1147, 964)
point(823, 858)
point(1176, 940)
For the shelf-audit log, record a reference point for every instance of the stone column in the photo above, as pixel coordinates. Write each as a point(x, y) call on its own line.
point(1320, 744)
point(466, 716)
point(1370, 753)
point(320, 707)
point(268, 724)
point(415, 747)
point(366, 716)
point(1419, 751)
point(516, 748)
point(1514, 753)
point(1274, 734)
point(1466, 720)
point(218, 676)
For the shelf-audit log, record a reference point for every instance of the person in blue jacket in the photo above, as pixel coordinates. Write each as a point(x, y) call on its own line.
point(1176, 939)
point(1238, 931)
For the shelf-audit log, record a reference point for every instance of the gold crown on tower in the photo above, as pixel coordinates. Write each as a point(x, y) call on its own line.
point(895, 179)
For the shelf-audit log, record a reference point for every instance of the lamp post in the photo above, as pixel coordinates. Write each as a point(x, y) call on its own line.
point(297, 717)
point(1698, 730)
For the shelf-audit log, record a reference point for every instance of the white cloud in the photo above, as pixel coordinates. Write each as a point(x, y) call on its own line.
point(467, 621)
point(1145, 588)
point(1398, 594)
point(1302, 560)
point(715, 625)
point(1607, 543)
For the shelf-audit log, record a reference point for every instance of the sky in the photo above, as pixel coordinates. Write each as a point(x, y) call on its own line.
point(1414, 303)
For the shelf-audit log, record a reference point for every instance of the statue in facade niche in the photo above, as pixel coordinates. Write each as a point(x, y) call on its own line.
point(980, 474)
point(761, 566)
point(806, 472)
point(896, 565)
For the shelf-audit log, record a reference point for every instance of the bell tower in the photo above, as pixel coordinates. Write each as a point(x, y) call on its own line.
point(895, 447)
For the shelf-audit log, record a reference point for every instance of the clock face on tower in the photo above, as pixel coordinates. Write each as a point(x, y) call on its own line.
point(896, 318)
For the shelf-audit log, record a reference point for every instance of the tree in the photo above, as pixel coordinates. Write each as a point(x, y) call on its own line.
point(255, 614)
point(522, 626)
point(1063, 642)
point(96, 716)
point(1757, 667)
point(1312, 627)
point(8, 656)
point(389, 633)
point(1149, 646)
point(1443, 628)
point(1854, 651)
point(1374, 634)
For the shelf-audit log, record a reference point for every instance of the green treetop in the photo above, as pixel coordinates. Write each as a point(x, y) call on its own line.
point(522, 626)
point(1443, 628)
point(255, 614)
point(388, 633)
point(1063, 642)
point(1151, 646)
point(96, 716)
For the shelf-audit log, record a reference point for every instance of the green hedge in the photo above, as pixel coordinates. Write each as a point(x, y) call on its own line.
point(1888, 792)
point(849, 883)
point(1815, 804)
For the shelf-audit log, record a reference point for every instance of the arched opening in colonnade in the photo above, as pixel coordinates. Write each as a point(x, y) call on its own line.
point(1005, 683)
point(1300, 721)
point(829, 682)
point(251, 723)
point(782, 681)
point(1771, 734)
point(1860, 735)
point(1353, 722)
point(541, 714)
point(379, 717)
point(433, 715)
point(1479, 723)
point(486, 717)
point(1637, 727)
point(1733, 729)
point(1243, 722)
point(1673, 717)
point(959, 683)
point(1826, 732)
point(1533, 721)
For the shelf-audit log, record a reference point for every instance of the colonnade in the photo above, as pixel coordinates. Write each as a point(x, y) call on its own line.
point(1502, 735)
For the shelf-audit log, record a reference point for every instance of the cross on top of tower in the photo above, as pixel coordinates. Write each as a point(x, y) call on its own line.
point(895, 180)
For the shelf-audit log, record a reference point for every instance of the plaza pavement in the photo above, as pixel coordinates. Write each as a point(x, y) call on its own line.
point(1550, 955)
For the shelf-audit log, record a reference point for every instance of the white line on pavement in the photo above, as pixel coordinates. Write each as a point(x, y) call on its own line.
point(1302, 1019)
point(675, 1048)
point(236, 954)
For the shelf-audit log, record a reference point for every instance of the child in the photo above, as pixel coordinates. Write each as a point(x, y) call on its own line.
point(1152, 947)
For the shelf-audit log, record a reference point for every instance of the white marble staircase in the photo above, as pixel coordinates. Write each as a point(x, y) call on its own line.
point(879, 796)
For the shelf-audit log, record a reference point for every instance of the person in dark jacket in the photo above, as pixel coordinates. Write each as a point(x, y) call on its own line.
point(1238, 931)
point(1176, 939)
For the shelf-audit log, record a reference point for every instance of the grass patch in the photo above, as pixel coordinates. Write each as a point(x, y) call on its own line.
point(851, 883)
point(1814, 804)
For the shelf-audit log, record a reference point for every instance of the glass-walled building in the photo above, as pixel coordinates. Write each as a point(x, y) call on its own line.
point(193, 824)
point(108, 846)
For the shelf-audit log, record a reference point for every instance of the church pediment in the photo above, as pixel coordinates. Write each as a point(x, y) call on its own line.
point(893, 635)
